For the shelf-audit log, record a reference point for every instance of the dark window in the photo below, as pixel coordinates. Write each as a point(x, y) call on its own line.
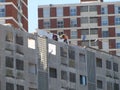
point(71, 54)
point(63, 52)
point(19, 64)
point(20, 87)
point(9, 62)
point(71, 63)
point(115, 67)
point(98, 62)
point(99, 84)
point(32, 89)
point(83, 80)
point(109, 86)
point(53, 72)
point(82, 57)
point(64, 75)
point(19, 50)
point(72, 77)
point(116, 86)
point(108, 64)
point(105, 34)
point(71, 89)
point(19, 39)
point(9, 86)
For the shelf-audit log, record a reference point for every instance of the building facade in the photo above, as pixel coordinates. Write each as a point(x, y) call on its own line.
point(68, 67)
point(18, 60)
point(14, 12)
point(95, 24)
point(31, 62)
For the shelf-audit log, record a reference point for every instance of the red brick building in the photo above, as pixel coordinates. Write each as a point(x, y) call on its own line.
point(14, 12)
point(95, 24)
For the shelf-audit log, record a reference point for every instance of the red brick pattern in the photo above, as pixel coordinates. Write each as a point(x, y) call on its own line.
point(111, 9)
point(11, 11)
point(40, 12)
point(67, 32)
point(53, 23)
point(111, 20)
point(112, 32)
point(112, 44)
point(67, 22)
point(40, 24)
point(52, 12)
point(66, 11)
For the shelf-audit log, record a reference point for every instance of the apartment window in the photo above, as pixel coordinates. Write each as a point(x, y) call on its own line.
point(118, 45)
point(117, 30)
point(19, 39)
point(83, 80)
point(19, 64)
point(98, 62)
point(60, 24)
point(73, 23)
point(46, 12)
point(64, 88)
point(72, 77)
point(116, 86)
point(32, 89)
point(46, 24)
point(64, 75)
point(53, 72)
point(108, 64)
point(63, 51)
point(117, 9)
point(71, 63)
point(2, 11)
point(71, 53)
point(9, 86)
point(2, 0)
point(9, 62)
point(9, 36)
point(93, 31)
point(32, 68)
point(9, 73)
point(93, 8)
point(104, 10)
point(60, 33)
point(109, 86)
point(73, 34)
point(84, 20)
point(105, 34)
point(20, 75)
point(117, 20)
point(19, 50)
point(20, 87)
point(82, 57)
point(73, 11)
point(99, 84)
point(59, 11)
point(71, 89)
point(92, 43)
point(115, 67)
point(93, 20)
point(84, 32)
point(84, 8)
point(85, 42)
point(104, 21)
